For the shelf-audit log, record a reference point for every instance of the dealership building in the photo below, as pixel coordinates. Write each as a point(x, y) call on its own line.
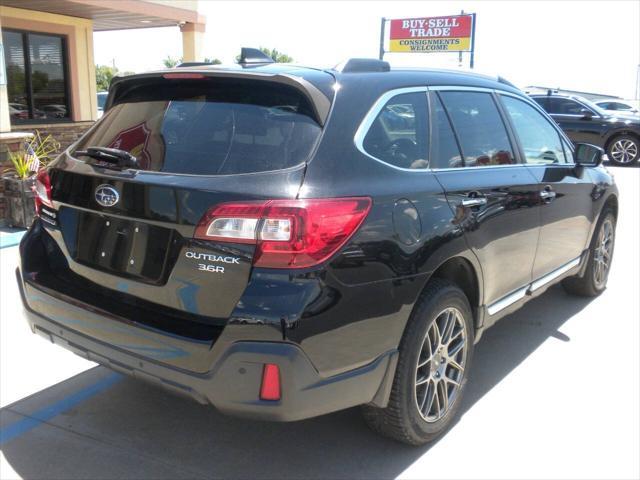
point(47, 69)
point(47, 79)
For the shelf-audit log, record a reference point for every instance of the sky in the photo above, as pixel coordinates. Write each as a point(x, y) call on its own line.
point(589, 46)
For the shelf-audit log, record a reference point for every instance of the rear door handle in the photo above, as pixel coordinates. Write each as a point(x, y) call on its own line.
point(547, 194)
point(474, 201)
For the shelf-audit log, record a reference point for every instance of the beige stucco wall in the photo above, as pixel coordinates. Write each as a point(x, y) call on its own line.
point(79, 33)
point(5, 121)
point(192, 42)
point(192, 33)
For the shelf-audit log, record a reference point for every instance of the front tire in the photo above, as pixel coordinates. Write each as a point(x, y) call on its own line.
point(435, 355)
point(596, 274)
point(624, 150)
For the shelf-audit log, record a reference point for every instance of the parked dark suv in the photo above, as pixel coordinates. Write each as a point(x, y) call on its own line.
point(283, 242)
point(585, 122)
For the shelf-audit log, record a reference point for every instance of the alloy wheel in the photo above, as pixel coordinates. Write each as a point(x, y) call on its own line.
point(440, 366)
point(602, 254)
point(624, 151)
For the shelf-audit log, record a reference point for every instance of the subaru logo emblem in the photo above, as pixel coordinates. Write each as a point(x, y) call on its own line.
point(106, 195)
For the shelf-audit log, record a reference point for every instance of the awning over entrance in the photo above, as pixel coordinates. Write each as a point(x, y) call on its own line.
point(119, 14)
point(48, 50)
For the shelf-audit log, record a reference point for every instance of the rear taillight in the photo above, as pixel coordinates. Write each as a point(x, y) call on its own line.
point(42, 190)
point(287, 233)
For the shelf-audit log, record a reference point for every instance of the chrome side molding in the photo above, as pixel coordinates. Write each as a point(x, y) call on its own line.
point(506, 301)
point(519, 294)
point(549, 277)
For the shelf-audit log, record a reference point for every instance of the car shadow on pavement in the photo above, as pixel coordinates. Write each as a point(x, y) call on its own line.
point(135, 430)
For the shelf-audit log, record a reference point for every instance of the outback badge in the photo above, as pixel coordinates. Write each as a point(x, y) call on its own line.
point(106, 195)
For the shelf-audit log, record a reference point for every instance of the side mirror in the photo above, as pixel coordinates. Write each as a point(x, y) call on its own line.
point(586, 114)
point(587, 154)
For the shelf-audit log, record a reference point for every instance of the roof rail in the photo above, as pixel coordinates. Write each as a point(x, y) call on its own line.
point(505, 81)
point(361, 65)
point(253, 56)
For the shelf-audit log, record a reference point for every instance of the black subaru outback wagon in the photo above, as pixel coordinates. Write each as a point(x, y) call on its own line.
point(283, 242)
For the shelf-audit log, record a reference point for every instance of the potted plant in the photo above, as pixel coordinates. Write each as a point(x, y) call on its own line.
point(19, 178)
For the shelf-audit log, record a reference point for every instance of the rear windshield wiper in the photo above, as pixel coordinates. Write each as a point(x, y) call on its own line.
point(112, 156)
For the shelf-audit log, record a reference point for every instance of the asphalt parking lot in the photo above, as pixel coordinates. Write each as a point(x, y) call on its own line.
point(555, 393)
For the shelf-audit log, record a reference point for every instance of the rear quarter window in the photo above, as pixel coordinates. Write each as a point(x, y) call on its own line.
point(209, 127)
point(398, 134)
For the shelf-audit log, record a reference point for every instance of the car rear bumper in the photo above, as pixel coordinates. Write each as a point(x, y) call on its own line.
point(232, 384)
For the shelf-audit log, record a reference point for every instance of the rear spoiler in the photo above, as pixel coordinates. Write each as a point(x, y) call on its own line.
point(319, 101)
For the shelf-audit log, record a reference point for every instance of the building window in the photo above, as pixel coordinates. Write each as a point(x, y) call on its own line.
point(37, 85)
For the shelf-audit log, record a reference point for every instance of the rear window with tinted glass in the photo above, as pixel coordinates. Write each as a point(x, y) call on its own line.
point(209, 127)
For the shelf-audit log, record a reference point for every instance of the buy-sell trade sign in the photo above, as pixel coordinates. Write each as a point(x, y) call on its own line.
point(432, 34)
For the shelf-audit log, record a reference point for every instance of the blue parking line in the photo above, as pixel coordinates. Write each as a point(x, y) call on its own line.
point(10, 239)
point(20, 427)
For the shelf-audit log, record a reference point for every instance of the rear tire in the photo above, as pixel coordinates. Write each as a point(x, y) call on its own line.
point(623, 150)
point(596, 274)
point(435, 356)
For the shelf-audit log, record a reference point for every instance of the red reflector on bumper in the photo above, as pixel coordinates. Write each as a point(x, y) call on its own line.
point(270, 388)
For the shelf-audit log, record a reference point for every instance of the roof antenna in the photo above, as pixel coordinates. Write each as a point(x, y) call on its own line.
point(253, 56)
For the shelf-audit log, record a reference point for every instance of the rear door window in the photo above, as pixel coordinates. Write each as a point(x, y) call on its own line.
point(209, 127)
point(398, 134)
point(479, 128)
point(444, 147)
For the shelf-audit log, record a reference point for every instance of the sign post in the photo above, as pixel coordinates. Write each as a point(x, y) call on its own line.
point(473, 40)
point(383, 22)
point(454, 33)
